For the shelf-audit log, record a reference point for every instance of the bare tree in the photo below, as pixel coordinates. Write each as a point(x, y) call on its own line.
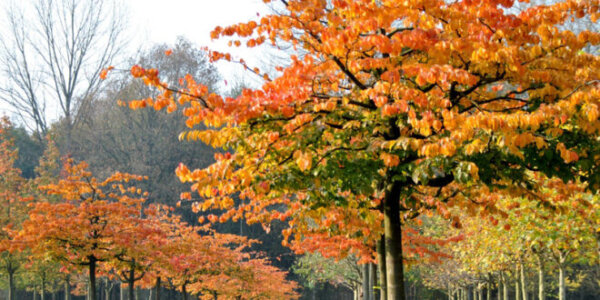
point(144, 142)
point(23, 79)
point(53, 54)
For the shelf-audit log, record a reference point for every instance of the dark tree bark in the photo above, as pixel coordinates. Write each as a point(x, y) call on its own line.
point(11, 284)
point(393, 243)
point(157, 289)
point(92, 278)
point(184, 292)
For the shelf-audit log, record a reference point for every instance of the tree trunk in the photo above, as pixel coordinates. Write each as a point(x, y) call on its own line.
point(541, 284)
point(517, 287)
point(67, 288)
point(393, 244)
point(562, 291)
point(523, 279)
point(105, 289)
point(131, 284)
point(504, 286)
point(365, 282)
point(43, 291)
point(121, 292)
point(373, 282)
point(92, 278)
point(184, 292)
point(499, 294)
point(11, 284)
point(157, 288)
point(382, 268)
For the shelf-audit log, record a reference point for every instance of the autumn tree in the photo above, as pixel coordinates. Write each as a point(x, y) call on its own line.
point(13, 196)
point(532, 244)
point(142, 255)
point(199, 261)
point(394, 109)
point(316, 269)
point(91, 223)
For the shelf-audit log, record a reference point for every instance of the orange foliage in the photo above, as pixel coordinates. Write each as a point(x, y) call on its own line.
point(450, 103)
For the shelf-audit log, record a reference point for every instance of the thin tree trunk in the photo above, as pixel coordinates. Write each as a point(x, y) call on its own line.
point(365, 282)
point(157, 288)
point(523, 279)
point(517, 287)
point(107, 288)
point(184, 292)
point(499, 294)
point(121, 292)
point(504, 286)
point(92, 278)
point(562, 291)
point(541, 280)
point(131, 284)
point(373, 281)
point(382, 268)
point(43, 291)
point(11, 284)
point(393, 243)
point(67, 288)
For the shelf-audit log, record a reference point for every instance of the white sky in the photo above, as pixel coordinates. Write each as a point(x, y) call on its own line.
point(163, 21)
point(159, 21)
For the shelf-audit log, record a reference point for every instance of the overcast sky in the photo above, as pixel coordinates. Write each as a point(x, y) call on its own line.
point(163, 21)
point(159, 21)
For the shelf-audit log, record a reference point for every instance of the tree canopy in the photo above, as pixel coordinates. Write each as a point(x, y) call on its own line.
point(393, 109)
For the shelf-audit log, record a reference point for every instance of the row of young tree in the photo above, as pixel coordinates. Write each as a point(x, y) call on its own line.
point(546, 248)
point(66, 222)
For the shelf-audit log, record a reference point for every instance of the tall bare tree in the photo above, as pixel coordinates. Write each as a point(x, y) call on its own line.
point(145, 142)
point(52, 55)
